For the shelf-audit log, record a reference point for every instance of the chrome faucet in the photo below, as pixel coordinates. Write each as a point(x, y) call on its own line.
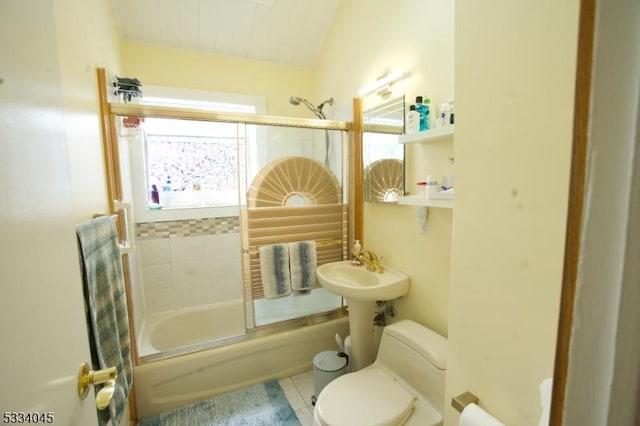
point(372, 260)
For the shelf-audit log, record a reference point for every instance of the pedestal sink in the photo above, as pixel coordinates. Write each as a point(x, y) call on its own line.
point(362, 288)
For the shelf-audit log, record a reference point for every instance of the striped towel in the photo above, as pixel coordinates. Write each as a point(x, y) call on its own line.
point(274, 268)
point(303, 265)
point(106, 308)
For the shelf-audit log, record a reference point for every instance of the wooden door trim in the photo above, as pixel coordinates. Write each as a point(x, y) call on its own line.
point(575, 208)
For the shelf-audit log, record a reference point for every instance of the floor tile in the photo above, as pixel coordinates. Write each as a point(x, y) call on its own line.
point(292, 394)
point(304, 384)
point(305, 415)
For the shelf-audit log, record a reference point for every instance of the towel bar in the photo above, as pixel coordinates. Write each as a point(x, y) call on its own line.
point(319, 243)
point(128, 245)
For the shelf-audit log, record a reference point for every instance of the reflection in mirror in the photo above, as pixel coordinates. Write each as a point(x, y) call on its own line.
point(383, 156)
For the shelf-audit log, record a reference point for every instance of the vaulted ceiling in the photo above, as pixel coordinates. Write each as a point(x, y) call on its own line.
point(289, 32)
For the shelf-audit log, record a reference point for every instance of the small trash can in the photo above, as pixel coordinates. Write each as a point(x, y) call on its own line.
point(327, 366)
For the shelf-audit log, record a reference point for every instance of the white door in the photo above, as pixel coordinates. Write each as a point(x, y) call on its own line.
point(43, 332)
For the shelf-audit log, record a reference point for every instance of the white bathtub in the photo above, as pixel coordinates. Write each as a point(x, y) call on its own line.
point(174, 382)
point(177, 329)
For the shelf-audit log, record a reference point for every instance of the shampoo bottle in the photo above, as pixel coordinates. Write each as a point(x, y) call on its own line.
point(412, 124)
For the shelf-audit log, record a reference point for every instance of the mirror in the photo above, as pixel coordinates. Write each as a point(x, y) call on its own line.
point(382, 155)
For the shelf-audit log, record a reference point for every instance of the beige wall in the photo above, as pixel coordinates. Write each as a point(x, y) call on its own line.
point(88, 38)
point(515, 86)
point(162, 66)
point(365, 39)
point(490, 277)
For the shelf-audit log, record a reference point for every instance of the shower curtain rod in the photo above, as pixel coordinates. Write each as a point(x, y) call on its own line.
point(138, 110)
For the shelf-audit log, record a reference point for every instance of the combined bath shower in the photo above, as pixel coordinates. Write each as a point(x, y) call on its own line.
point(317, 111)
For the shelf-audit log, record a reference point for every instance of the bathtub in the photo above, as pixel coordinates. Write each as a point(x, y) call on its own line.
point(173, 382)
point(172, 330)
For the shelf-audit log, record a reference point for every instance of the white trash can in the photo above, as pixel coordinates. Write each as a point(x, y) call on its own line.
point(327, 366)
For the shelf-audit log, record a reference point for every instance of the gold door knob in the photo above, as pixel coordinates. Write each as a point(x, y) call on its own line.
point(88, 377)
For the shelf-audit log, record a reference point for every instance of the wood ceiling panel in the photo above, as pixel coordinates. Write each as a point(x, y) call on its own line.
point(282, 31)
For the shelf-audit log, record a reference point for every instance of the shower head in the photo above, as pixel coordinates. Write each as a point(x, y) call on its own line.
point(297, 100)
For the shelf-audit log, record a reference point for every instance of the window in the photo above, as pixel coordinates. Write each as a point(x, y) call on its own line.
point(191, 163)
point(186, 169)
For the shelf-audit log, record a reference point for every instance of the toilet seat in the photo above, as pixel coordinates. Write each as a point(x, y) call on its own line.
point(367, 397)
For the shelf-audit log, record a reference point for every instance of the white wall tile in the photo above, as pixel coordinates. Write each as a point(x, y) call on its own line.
point(189, 297)
point(186, 248)
point(153, 252)
point(157, 276)
point(223, 247)
point(159, 300)
point(189, 273)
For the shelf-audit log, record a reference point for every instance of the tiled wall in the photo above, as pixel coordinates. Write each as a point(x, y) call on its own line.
point(189, 263)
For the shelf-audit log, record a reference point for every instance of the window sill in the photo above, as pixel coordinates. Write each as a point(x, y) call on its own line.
point(161, 215)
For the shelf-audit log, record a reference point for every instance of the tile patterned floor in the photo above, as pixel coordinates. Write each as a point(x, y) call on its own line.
point(299, 390)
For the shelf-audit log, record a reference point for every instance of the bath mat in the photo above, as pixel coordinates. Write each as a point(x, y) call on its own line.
point(259, 405)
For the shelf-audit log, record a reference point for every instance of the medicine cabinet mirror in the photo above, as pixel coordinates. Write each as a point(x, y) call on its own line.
point(382, 155)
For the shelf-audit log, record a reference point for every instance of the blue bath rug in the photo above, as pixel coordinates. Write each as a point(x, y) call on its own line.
point(258, 405)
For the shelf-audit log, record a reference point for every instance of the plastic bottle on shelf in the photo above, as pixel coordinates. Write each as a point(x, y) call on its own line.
point(432, 185)
point(451, 114)
point(155, 196)
point(412, 124)
point(429, 112)
point(445, 115)
point(421, 188)
point(422, 110)
point(166, 192)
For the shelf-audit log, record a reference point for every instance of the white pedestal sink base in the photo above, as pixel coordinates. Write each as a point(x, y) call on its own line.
point(361, 288)
point(361, 313)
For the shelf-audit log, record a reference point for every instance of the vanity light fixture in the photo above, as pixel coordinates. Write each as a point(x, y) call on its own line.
point(381, 85)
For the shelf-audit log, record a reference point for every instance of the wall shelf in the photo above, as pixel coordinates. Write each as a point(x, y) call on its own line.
point(421, 200)
point(436, 134)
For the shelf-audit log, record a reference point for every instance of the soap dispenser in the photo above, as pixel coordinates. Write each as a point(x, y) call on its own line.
point(357, 248)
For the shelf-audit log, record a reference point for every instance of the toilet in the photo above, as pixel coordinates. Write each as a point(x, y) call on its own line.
point(404, 386)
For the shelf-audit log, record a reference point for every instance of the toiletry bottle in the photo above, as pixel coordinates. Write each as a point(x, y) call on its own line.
point(428, 112)
point(357, 248)
point(422, 110)
point(421, 188)
point(166, 192)
point(445, 115)
point(432, 185)
point(412, 125)
point(451, 115)
point(155, 197)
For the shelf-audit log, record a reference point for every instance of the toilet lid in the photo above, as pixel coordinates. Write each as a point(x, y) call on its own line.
point(368, 397)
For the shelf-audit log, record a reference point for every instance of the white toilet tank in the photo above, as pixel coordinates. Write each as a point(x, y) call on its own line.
point(418, 356)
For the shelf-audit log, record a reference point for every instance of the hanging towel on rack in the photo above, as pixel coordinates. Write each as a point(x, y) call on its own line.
point(274, 268)
point(106, 308)
point(303, 263)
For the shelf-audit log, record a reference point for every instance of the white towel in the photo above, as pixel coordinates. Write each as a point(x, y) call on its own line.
point(303, 263)
point(274, 268)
